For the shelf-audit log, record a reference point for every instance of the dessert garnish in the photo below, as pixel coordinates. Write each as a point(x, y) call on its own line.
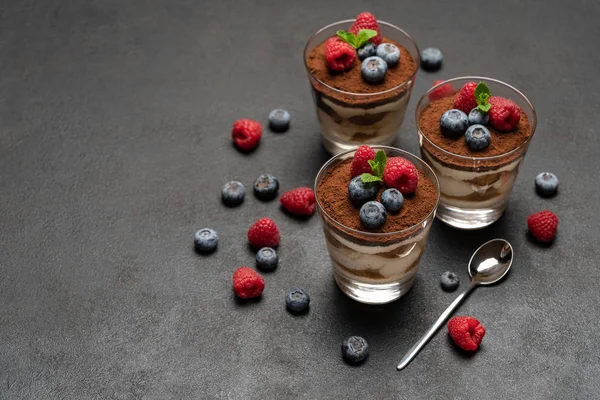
point(372, 215)
point(263, 233)
point(504, 114)
point(431, 59)
point(265, 187)
point(366, 20)
point(367, 50)
point(546, 184)
point(233, 193)
point(373, 69)
point(266, 259)
point(355, 349)
point(247, 283)
point(449, 281)
point(246, 134)
point(279, 120)
point(359, 40)
point(360, 192)
point(339, 55)
point(543, 225)
point(389, 53)
point(297, 301)
point(401, 174)
point(360, 162)
point(454, 123)
point(478, 137)
point(392, 200)
point(466, 332)
point(206, 240)
point(465, 99)
point(299, 201)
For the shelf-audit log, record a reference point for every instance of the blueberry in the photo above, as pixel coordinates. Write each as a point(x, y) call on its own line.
point(360, 192)
point(389, 53)
point(478, 137)
point(297, 301)
point(355, 349)
point(206, 240)
point(372, 215)
point(431, 59)
point(279, 120)
point(478, 117)
point(233, 193)
point(454, 123)
point(373, 69)
point(266, 259)
point(449, 281)
point(392, 200)
point(367, 50)
point(266, 186)
point(546, 184)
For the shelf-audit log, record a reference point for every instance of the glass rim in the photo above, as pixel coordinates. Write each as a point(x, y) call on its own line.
point(325, 167)
point(475, 78)
point(346, 21)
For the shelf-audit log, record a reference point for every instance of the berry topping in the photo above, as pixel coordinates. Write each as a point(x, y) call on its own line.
point(478, 117)
point(465, 99)
point(392, 200)
point(233, 193)
point(373, 69)
point(206, 240)
point(279, 120)
point(361, 192)
point(360, 163)
point(401, 174)
point(449, 281)
point(297, 301)
point(441, 92)
point(542, 226)
point(246, 134)
point(546, 184)
point(431, 59)
point(389, 53)
point(299, 201)
point(478, 137)
point(367, 50)
point(265, 187)
point(247, 283)
point(263, 233)
point(339, 55)
point(266, 259)
point(366, 20)
point(372, 215)
point(467, 332)
point(454, 123)
point(355, 349)
point(504, 114)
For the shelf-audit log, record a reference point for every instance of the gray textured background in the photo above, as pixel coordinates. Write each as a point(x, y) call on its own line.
point(115, 121)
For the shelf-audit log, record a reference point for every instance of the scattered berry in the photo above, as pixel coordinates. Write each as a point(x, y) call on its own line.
point(392, 200)
point(299, 201)
point(542, 225)
point(454, 123)
point(478, 137)
point(360, 192)
point(206, 240)
point(368, 50)
point(266, 186)
point(266, 259)
point(431, 59)
point(339, 55)
point(247, 283)
point(401, 174)
point(465, 99)
point(246, 134)
point(372, 215)
point(373, 69)
point(366, 20)
point(467, 332)
point(279, 120)
point(449, 281)
point(355, 349)
point(504, 114)
point(263, 233)
point(297, 301)
point(233, 193)
point(389, 53)
point(446, 90)
point(478, 117)
point(360, 162)
point(546, 184)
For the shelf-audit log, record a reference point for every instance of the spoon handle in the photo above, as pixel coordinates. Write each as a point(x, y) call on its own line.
point(412, 353)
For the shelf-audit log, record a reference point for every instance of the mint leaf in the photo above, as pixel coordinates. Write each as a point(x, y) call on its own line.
point(373, 164)
point(482, 96)
point(363, 37)
point(368, 178)
point(348, 37)
point(380, 157)
point(485, 107)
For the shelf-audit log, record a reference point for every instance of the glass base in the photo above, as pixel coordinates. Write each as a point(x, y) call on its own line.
point(369, 293)
point(467, 218)
point(334, 147)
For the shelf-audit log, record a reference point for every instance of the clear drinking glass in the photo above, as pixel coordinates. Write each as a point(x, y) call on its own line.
point(475, 190)
point(350, 119)
point(375, 268)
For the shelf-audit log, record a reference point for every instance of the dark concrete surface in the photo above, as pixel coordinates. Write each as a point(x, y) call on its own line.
point(114, 143)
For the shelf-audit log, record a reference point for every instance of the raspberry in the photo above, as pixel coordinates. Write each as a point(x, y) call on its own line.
point(504, 114)
point(542, 225)
point(401, 174)
point(366, 20)
point(360, 163)
point(466, 332)
point(299, 201)
point(246, 133)
point(465, 99)
point(441, 92)
point(339, 55)
point(263, 233)
point(247, 283)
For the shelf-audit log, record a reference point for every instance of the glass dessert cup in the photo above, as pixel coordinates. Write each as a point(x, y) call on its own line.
point(475, 190)
point(375, 268)
point(349, 119)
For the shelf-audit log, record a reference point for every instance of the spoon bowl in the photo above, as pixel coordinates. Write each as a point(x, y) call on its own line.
point(490, 262)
